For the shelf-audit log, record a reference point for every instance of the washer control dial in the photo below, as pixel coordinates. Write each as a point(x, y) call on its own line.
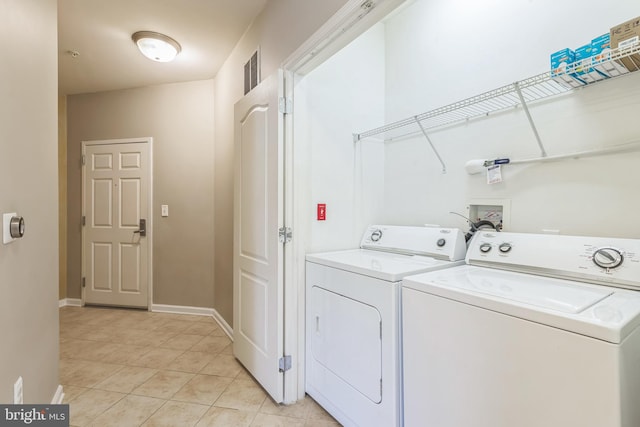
point(608, 257)
point(485, 247)
point(376, 235)
point(441, 243)
point(504, 247)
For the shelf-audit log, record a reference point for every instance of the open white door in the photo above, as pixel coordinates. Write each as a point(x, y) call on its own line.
point(258, 253)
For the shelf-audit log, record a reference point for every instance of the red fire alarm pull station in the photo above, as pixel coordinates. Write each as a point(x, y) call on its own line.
point(322, 211)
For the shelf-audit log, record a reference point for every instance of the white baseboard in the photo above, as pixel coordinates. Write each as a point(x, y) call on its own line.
point(223, 324)
point(182, 309)
point(72, 302)
point(197, 311)
point(58, 397)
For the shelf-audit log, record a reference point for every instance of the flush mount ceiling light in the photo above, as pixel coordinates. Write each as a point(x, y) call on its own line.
point(156, 46)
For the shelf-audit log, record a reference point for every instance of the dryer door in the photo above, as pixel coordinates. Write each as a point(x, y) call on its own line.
point(346, 339)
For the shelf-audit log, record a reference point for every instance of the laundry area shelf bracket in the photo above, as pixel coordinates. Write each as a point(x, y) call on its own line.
point(525, 108)
point(426, 135)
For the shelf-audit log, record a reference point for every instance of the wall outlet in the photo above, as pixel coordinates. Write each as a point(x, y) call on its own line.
point(17, 392)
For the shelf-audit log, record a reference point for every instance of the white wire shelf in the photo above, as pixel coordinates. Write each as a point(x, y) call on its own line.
point(504, 98)
point(520, 93)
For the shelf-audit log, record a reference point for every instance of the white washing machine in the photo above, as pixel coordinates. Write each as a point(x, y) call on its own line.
point(519, 338)
point(353, 319)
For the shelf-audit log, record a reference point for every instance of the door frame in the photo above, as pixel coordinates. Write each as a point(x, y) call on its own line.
point(348, 23)
point(148, 140)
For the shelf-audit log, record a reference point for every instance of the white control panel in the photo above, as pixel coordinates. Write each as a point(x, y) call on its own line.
point(442, 243)
point(602, 260)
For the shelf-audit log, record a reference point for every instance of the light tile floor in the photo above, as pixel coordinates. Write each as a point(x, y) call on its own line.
point(124, 367)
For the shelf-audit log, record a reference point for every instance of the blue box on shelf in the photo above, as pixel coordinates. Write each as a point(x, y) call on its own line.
point(560, 62)
point(583, 67)
point(601, 57)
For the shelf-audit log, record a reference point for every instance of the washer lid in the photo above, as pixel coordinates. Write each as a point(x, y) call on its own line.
point(600, 312)
point(381, 265)
point(528, 289)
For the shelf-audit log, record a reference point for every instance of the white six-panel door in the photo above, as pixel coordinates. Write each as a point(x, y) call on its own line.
point(258, 215)
point(116, 181)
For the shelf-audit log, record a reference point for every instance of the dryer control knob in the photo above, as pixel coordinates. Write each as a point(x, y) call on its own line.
point(505, 247)
point(441, 243)
point(485, 247)
point(376, 235)
point(608, 257)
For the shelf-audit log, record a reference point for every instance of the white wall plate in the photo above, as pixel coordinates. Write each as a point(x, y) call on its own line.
point(6, 235)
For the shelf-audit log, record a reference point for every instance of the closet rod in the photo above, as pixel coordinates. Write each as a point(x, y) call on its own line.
point(477, 166)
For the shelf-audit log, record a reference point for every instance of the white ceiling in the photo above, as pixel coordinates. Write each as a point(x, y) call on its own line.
point(100, 31)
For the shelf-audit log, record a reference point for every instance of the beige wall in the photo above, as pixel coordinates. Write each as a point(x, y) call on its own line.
point(28, 185)
point(183, 271)
point(279, 30)
point(62, 195)
point(179, 117)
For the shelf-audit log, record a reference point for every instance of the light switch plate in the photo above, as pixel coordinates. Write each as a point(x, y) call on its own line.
point(6, 232)
point(164, 210)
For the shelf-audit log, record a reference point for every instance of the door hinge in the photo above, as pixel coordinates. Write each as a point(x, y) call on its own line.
point(284, 363)
point(83, 160)
point(285, 234)
point(84, 282)
point(285, 105)
point(84, 220)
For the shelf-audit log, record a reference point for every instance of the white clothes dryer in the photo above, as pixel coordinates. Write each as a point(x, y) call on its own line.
point(353, 319)
point(534, 332)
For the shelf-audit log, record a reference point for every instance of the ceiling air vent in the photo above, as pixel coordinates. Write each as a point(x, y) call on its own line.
point(252, 72)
